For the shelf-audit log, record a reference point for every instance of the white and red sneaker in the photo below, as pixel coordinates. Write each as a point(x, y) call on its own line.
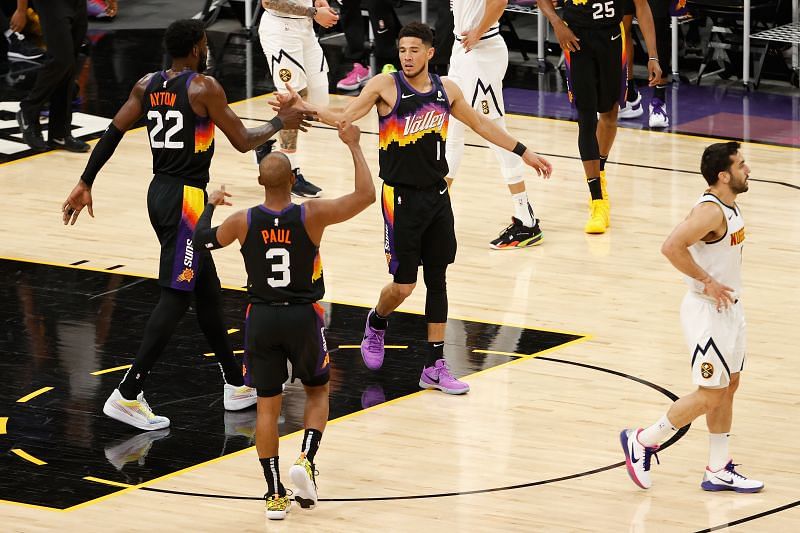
point(728, 478)
point(637, 457)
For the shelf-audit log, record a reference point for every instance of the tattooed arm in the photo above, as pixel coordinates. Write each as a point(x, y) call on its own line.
point(290, 7)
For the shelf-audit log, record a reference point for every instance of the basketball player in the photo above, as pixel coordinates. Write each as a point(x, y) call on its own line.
point(181, 107)
point(591, 36)
point(478, 64)
point(413, 113)
point(294, 56)
point(707, 249)
point(280, 245)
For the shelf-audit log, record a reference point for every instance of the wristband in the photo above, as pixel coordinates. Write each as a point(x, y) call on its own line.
point(653, 59)
point(276, 122)
point(519, 149)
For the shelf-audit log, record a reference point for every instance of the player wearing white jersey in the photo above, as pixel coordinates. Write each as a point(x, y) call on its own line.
point(478, 64)
point(295, 56)
point(707, 248)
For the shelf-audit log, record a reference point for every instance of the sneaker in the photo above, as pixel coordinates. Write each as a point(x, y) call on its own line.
point(240, 423)
point(20, 49)
point(136, 413)
point(70, 144)
point(238, 398)
point(372, 345)
point(97, 9)
point(658, 114)
point(31, 130)
point(603, 190)
point(134, 449)
point(302, 187)
point(637, 457)
point(305, 483)
point(438, 377)
point(355, 79)
point(516, 235)
point(277, 506)
point(598, 217)
point(372, 395)
point(729, 479)
point(263, 150)
point(388, 68)
point(631, 109)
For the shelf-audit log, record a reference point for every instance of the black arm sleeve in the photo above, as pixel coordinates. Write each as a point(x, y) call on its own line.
point(101, 153)
point(204, 235)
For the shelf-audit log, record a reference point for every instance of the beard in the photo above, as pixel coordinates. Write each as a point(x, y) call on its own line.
point(739, 188)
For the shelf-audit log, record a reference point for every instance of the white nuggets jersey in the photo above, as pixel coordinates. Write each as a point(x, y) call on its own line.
point(722, 258)
point(467, 14)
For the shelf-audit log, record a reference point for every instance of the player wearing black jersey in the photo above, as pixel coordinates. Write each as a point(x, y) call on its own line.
point(591, 35)
point(413, 112)
point(181, 107)
point(280, 246)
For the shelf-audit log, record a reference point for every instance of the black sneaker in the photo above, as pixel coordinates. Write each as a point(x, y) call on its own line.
point(20, 49)
point(69, 143)
point(263, 150)
point(518, 236)
point(31, 130)
point(304, 188)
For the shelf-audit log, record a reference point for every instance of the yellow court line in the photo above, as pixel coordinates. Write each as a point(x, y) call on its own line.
point(108, 482)
point(232, 330)
point(3, 424)
point(32, 506)
point(107, 370)
point(77, 267)
point(34, 394)
point(235, 352)
point(28, 457)
point(388, 346)
point(497, 352)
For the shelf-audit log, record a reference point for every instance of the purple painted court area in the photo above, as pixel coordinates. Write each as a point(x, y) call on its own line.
point(726, 112)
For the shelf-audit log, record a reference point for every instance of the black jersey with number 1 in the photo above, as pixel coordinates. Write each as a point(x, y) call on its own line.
point(283, 264)
point(588, 14)
point(182, 142)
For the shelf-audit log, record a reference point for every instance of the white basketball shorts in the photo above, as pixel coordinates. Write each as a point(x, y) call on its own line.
point(479, 74)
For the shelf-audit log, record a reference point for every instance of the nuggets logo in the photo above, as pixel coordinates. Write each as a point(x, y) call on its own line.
point(285, 74)
point(485, 107)
point(706, 370)
point(187, 275)
point(737, 237)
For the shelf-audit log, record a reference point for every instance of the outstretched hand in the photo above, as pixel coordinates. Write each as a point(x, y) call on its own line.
point(219, 196)
point(349, 133)
point(293, 110)
point(540, 164)
point(80, 197)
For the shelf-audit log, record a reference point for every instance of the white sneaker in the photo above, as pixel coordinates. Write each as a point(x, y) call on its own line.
point(729, 479)
point(305, 485)
point(658, 114)
point(631, 109)
point(637, 457)
point(134, 449)
point(238, 398)
point(136, 413)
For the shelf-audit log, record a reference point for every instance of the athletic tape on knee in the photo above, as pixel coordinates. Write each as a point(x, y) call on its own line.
point(318, 89)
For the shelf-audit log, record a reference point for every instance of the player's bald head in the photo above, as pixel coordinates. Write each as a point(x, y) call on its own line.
point(275, 171)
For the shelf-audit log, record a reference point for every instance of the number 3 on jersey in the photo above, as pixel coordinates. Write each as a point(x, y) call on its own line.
point(603, 10)
point(167, 141)
point(281, 277)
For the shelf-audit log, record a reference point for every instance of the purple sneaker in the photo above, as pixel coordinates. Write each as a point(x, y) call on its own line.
point(438, 377)
point(372, 346)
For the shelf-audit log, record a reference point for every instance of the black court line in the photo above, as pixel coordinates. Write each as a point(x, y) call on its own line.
point(82, 261)
point(751, 517)
point(670, 442)
point(115, 267)
point(577, 158)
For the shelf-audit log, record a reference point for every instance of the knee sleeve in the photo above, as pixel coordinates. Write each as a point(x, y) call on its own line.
point(317, 381)
point(511, 166)
point(318, 89)
point(587, 135)
point(436, 293)
point(270, 393)
point(454, 146)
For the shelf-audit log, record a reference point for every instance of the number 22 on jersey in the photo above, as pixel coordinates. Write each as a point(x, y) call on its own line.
point(172, 118)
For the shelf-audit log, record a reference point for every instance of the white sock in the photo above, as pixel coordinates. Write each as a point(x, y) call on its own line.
point(292, 158)
point(8, 33)
point(657, 433)
point(520, 201)
point(718, 455)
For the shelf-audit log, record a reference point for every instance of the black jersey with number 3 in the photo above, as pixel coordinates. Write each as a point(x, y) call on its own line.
point(282, 263)
point(590, 14)
point(182, 142)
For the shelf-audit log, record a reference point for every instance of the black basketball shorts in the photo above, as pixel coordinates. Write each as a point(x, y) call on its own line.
point(596, 74)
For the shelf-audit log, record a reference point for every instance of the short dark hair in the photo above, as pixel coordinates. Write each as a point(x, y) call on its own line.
point(419, 30)
point(182, 35)
point(717, 158)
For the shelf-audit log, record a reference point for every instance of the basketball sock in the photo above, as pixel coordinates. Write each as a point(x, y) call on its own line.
point(633, 92)
point(435, 352)
point(164, 318)
point(603, 159)
point(660, 92)
point(718, 454)
point(311, 440)
point(657, 433)
point(521, 211)
point(377, 321)
point(594, 188)
point(273, 476)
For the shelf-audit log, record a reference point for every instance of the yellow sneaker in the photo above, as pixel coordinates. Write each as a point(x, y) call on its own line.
point(604, 187)
point(305, 483)
point(598, 217)
point(278, 506)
